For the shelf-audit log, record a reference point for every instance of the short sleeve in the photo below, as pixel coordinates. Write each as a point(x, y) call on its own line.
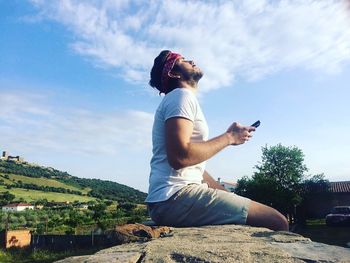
point(181, 103)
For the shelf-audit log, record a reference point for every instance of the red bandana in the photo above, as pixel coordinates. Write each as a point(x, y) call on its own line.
point(168, 66)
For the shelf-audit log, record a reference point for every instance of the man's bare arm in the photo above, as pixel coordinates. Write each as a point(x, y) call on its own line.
point(182, 152)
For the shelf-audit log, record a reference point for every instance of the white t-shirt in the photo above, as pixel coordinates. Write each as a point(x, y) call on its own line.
point(165, 181)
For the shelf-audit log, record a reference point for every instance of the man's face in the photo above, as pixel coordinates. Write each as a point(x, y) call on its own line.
point(188, 69)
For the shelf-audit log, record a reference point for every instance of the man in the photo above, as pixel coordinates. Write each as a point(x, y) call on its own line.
point(181, 192)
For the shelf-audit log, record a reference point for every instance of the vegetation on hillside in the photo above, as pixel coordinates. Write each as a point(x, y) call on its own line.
point(107, 190)
point(33, 196)
point(71, 219)
point(66, 183)
point(30, 170)
point(109, 203)
point(10, 179)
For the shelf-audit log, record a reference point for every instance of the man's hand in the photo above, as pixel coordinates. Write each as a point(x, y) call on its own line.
point(239, 134)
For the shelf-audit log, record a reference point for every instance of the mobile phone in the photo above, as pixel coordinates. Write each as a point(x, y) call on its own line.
point(256, 124)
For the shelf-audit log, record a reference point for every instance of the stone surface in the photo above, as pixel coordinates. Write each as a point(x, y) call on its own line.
point(125, 257)
point(228, 243)
point(137, 232)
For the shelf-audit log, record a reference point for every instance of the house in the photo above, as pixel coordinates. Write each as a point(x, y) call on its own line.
point(319, 204)
point(83, 206)
point(17, 207)
point(39, 207)
point(229, 186)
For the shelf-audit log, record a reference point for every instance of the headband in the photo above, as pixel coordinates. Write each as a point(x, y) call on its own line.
point(168, 66)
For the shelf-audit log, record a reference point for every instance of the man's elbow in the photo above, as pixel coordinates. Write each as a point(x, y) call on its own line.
point(177, 163)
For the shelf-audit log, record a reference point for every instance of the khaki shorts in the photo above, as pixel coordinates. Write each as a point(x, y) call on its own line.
point(197, 205)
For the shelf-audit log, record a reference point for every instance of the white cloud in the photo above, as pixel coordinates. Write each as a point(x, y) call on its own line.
point(228, 39)
point(11, 103)
point(26, 122)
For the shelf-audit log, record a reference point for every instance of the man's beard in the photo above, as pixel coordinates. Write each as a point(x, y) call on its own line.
point(194, 75)
point(197, 75)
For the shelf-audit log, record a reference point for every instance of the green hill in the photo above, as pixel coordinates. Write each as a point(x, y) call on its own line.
point(41, 181)
point(31, 182)
point(35, 195)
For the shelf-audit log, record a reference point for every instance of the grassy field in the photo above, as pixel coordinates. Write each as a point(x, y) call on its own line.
point(39, 256)
point(33, 195)
point(41, 182)
point(6, 181)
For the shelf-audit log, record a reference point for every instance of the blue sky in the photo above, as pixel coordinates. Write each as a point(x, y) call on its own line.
point(74, 74)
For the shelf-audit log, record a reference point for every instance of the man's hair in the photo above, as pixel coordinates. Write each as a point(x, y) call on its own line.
point(156, 73)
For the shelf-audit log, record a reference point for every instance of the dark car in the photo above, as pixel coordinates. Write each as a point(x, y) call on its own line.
point(339, 216)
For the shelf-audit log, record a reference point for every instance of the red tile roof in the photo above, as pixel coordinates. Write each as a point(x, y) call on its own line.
point(339, 187)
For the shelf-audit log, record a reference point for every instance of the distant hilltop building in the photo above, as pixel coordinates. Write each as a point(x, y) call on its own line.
point(6, 157)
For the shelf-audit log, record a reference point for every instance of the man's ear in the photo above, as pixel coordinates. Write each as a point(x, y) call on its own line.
point(174, 75)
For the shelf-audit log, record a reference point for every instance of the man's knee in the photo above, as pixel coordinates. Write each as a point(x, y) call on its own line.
point(265, 216)
point(281, 222)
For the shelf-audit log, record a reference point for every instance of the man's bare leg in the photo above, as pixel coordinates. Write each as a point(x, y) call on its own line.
point(265, 216)
point(258, 214)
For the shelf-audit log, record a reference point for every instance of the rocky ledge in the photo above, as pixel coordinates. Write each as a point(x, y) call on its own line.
point(225, 243)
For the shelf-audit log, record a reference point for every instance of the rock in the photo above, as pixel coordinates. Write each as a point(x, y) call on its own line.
point(125, 257)
point(224, 243)
point(141, 230)
point(137, 232)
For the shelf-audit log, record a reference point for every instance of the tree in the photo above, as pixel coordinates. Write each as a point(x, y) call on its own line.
point(316, 184)
point(75, 218)
point(108, 202)
point(127, 206)
point(278, 179)
point(6, 198)
point(40, 229)
point(41, 202)
point(315, 189)
point(99, 213)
